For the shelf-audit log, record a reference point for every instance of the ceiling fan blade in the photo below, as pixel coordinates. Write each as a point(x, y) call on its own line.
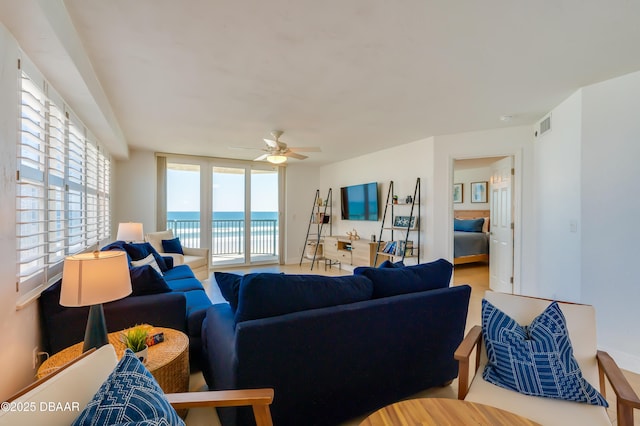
point(272, 143)
point(305, 148)
point(294, 155)
point(262, 157)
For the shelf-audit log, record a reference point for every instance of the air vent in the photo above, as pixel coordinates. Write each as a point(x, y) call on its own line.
point(545, 125)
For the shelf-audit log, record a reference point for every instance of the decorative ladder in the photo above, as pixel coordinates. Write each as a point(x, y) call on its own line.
point(317, 218)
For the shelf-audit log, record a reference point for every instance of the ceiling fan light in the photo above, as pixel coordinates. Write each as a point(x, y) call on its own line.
point(276, 159)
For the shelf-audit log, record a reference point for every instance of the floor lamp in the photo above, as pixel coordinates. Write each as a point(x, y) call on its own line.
point(91, 279)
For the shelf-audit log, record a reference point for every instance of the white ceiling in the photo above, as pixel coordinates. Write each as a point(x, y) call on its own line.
point(350, 76)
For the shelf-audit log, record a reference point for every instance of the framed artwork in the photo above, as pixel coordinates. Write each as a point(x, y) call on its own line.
point(457, 193)
point(404, 222)
point(478, 192)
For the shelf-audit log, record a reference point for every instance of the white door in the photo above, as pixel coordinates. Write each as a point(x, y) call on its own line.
point(501, 227)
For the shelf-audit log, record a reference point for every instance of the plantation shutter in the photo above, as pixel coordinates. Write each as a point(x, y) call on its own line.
point(30, 191)
point(75, 194)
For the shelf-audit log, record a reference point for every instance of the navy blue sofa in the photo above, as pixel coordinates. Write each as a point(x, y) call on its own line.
point(334, 348)
point(175, 299)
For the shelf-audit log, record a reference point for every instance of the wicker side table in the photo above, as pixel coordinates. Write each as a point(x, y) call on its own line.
point(168, 361)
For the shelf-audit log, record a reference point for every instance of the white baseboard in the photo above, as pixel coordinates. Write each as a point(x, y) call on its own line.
point(626, 361)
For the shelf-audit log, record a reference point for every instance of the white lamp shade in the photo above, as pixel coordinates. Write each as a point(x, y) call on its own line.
point(130, 231)
point(93, 278)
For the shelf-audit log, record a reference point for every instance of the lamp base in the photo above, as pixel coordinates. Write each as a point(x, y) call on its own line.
point(95, 335)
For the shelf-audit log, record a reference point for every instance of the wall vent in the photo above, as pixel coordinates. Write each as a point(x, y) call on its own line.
point(545, 125)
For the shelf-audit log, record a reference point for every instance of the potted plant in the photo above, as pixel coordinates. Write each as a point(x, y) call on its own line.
point(135, 339)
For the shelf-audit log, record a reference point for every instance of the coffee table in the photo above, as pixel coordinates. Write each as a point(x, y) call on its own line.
point(443, 412)
point(168, 361)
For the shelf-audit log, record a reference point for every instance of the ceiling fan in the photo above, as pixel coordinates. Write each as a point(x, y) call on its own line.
point(277, 151)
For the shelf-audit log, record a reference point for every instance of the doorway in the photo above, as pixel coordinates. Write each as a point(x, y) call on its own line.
point(484, 220)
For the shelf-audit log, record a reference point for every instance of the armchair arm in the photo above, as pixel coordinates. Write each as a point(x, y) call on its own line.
point(626, 398)
point(471, 341)
point(259, 399)
point(195, 251)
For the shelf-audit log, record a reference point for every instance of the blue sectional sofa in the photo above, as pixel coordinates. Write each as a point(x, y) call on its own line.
point(334, 348)
point(173, 298)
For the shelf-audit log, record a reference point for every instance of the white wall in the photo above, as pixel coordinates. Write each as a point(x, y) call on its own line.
point(135, 191)
point(610, 180)
point(515, 141)
point(402, 165)
point(19, 329)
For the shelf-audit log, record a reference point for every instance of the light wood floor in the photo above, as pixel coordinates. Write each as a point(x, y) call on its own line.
point(476, 275)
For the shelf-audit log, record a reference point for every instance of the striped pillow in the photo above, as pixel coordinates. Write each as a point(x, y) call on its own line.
point(536, 359)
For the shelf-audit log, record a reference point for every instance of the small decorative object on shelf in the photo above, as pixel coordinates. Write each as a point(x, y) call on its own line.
point(395, 199)
point(353, 235)
point(409, 199)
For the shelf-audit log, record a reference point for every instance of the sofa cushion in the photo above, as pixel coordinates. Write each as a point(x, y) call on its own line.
point(468, 225)
point(185, 284)
point(179, 272)
point(195, 261)
point(131, 395)
point(410, 279)
point(536, 359)
point(265, 295)
point(138, 251)
point(149, 260)
point(197, 304)
point(172, 246)
point(389, 264)
point(146, 280)
point(229, 285)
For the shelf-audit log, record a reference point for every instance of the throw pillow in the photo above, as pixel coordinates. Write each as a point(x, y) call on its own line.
point(389, 264)
point(536, 359)
point(172, 246)
point(138, 251)
point(266, 295)
point(146, 280)
point(229, 285)
point(410, 279)
point(149, 260)
point(130, 395)
point(468, 225)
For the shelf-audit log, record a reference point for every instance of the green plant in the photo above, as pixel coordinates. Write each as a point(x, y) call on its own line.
point(136, 338)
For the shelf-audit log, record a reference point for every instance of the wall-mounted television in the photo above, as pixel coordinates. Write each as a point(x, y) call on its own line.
point(360, 202)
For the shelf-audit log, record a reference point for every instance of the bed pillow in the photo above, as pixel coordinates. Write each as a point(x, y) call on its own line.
point(536, 359)
point(172, 246)
point(468, 225)
point(267, 295)
point(130, 395)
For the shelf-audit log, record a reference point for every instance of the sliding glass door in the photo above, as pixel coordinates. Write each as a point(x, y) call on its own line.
point(232, 210)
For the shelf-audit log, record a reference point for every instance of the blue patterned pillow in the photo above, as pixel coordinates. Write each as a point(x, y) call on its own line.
point(130, 395)
point(536, 359)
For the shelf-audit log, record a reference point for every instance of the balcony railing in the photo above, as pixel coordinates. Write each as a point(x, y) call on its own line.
point(228, 237)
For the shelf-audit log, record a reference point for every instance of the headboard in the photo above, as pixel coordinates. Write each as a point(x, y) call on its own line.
point(471, 214)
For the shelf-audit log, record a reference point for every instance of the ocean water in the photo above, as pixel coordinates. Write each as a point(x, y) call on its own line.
point(227, 231)
point(222, 215)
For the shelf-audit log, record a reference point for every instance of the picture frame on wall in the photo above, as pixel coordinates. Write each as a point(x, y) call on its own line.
point(479, 192)
point(457, 193)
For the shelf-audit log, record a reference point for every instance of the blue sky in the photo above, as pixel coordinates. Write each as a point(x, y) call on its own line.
point(183, 191)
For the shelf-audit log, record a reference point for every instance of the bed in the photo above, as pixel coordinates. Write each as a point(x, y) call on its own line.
point(471, 240)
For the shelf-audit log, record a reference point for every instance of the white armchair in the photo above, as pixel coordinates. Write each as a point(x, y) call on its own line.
point(594, 364)
point(73, 386)
point(198, 259)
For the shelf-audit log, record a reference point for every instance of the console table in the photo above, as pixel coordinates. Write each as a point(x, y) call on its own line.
point(342, 250)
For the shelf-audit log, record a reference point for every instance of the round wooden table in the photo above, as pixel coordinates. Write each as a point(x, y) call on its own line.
point(168, 361)
point(443, 412)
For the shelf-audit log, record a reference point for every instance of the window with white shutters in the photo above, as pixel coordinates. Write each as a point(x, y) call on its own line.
point(63, 184)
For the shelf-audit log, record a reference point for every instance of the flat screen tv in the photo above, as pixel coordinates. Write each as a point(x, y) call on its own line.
point(360, 202)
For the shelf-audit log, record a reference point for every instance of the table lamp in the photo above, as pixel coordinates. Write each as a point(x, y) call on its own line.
point(129, 232)
point(91, 279)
